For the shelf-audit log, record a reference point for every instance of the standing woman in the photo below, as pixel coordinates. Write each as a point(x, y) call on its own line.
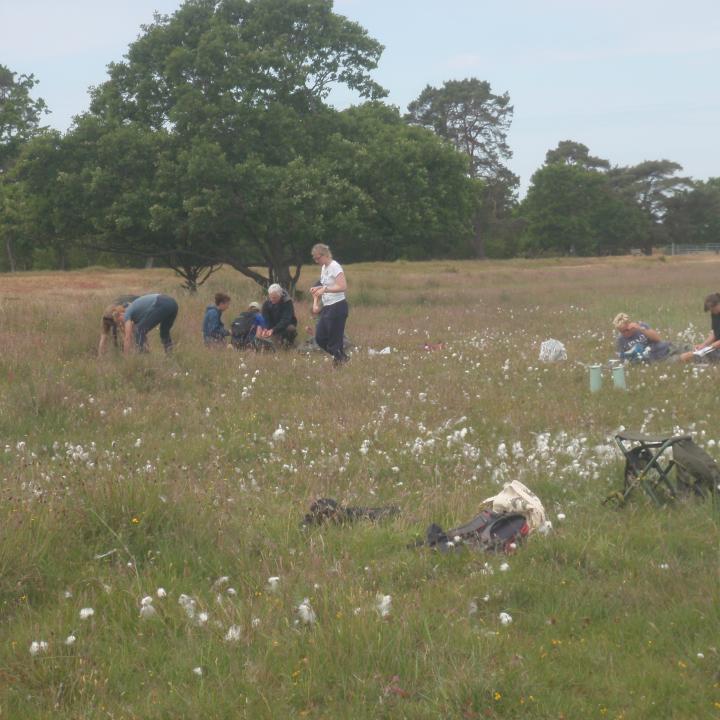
point(331, 295)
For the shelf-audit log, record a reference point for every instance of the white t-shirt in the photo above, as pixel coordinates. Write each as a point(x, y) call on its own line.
point(328, 276)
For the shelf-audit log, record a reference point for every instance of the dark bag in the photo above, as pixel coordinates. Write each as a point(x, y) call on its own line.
point(695, 471)
point(329, 510)
point(489, 531)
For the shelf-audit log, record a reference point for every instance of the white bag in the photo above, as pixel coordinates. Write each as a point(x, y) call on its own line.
point(552, 351)
point(515, 497)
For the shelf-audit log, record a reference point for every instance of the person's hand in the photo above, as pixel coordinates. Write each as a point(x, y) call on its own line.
point(634, 326)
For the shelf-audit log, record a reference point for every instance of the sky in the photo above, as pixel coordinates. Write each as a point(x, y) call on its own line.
point(633, 80)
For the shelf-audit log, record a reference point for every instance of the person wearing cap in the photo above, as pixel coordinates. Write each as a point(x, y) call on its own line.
point(637, 341)
point(144, 314)
point(214, 332)
point(330, 295)
point(279, 313)
point(245, 327)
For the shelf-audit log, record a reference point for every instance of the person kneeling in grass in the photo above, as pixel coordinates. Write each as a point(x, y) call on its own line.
point(709, 350)
point(279, 313)
point(637, 341)
point(214, 332)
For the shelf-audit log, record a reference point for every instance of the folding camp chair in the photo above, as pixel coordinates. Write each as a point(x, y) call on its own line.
point(647, 465)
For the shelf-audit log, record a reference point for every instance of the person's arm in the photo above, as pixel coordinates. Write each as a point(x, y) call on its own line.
point(128, 343)
point(103, 343)
point(651, 335)
point(338, 286)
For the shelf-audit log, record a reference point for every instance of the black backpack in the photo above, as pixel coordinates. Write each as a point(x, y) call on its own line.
point(242, 325)
point(489, 531)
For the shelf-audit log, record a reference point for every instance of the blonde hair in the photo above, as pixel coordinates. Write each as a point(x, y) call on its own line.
point(620, 320)
point(111, 318)
point(321, 249)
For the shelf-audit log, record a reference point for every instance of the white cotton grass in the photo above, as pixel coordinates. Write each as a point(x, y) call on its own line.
point(70, 640)
point(273, 583)
point(38, 646)
point(198, 671)
point(383, 604)
point(86, 613)
point(161, 593)
point(187, 604)
point(306, 613)
point(233, 634)
point(505, 618)
point(146, 608)
point(279, 434)
point(504, 567)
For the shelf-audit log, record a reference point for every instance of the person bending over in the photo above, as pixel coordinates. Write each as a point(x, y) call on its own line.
point(111, 321)
point(143, 314)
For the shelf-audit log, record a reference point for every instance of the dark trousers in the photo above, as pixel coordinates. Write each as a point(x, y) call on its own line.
point(163, 313)
point(331, 328)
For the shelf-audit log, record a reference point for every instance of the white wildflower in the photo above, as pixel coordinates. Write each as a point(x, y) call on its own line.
point(256, 622)
point(279, 434)
point(504, 567)
point(188, 605)
point(561, 516)
point(86, 613)
point(138, 442)
point(70, 640)
point(198, 671)
point(161, 593)
point(233, 634)
point(147, 600)
point(273, 583)
point(147, 611)
point(306, 613)
point(37, 647)
point(505, 618)
point(383, 603)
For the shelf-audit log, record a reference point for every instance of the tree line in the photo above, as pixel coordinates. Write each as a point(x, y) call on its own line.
point(213, 142)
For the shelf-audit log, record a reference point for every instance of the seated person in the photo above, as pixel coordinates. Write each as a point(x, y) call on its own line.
point(245, 326)
point(111, 321)
point(214, 332)
point(279, 313)
point(637, 341)
point(709, 349)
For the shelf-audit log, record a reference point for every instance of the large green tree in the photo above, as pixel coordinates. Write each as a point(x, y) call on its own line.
point(239, 87)
point(571, 210)
point(20, 116)
point(476, 121)
point(693, 215)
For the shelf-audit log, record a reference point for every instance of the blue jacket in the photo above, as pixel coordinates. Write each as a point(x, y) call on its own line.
point(213, 328)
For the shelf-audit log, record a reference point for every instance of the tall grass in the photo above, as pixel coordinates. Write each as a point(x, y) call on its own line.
point(192, 473)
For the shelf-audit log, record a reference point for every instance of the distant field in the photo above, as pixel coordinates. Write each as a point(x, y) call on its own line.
point(192, 473)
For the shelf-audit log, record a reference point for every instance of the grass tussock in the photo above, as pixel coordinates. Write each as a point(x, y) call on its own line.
point(179, 484)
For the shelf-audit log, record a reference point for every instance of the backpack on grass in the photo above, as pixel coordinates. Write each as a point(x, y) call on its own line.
point(489, 531)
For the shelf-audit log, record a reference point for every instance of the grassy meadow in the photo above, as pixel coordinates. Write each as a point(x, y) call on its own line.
point(146, 502)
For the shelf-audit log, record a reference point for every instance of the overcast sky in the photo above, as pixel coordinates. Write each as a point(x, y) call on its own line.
point(633, 80)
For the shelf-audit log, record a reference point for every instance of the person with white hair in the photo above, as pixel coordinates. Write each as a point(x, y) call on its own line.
point(638, 341)
point(330, 294)
point(279, 314)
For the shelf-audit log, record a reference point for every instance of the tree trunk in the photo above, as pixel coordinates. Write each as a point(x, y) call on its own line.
point(478, 241)
point(11, 257)
point(149, 263)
